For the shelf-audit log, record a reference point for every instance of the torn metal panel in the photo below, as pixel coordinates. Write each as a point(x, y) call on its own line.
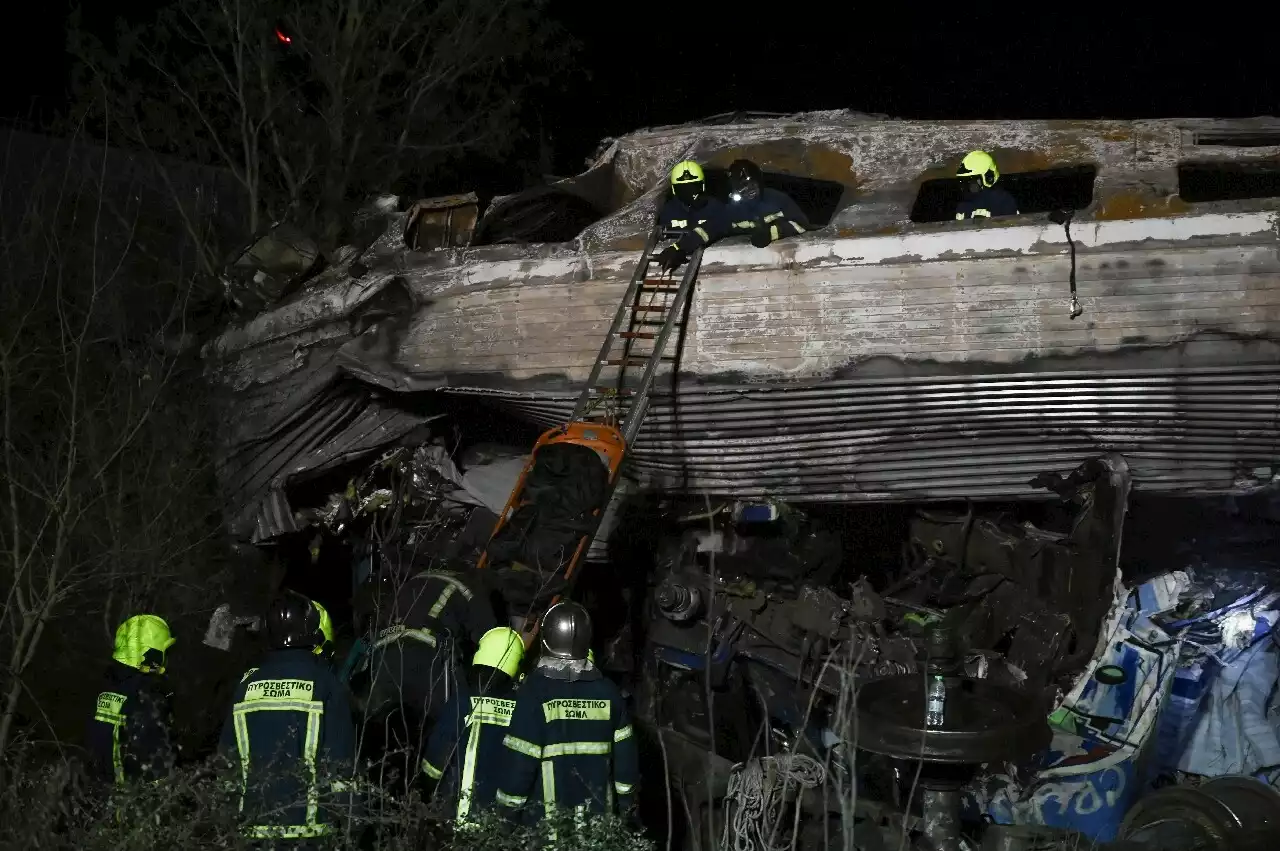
point(341, 423)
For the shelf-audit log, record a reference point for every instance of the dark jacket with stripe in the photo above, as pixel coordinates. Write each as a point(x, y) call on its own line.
point(415, 644)
point(465, 752)
point(702, 224)
point(773, 211)
point(291, 734)
point(569, 746)
point(129, 737)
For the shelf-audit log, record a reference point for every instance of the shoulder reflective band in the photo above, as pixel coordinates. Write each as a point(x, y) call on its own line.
point(392, 634)
point(576, 710)
point(679, 223)
point(280, 690)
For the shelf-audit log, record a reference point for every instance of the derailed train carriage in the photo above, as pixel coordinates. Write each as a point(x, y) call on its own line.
point(892, 355)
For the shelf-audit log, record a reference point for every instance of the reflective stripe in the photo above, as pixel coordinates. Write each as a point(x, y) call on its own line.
point(773, 233)
point(431, 771)
point(772, 217)
point(392, 634)
point(623, 788)
point(468, 769)
point(960, 216)
point(443, 600)
point(314, 711)
point(679, 223)
point(799, 230)
point(549, 789)
point(701, 232)
point(622, 733)
point(576, 749)
point(521, 746)
point(448, 579)
point(110, 710)
point(510, 800)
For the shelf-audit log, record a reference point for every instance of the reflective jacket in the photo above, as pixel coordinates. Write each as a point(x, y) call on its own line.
point(415, 643)
point(702, 225)
point(129, 736)
point(773, 210)
point(987, 202)
point(465, 751)
point(291, 733)
point(570, 745)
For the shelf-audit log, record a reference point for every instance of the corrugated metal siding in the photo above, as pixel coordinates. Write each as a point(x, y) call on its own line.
point(1191, 430)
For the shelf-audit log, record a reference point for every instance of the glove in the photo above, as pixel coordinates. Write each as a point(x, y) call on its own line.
point(670, 258)
point(760, 236)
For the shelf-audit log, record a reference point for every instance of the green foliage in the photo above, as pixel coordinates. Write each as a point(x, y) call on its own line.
point(53, 808)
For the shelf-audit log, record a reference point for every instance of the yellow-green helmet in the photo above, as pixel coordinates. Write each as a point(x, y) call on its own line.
point(687, 172)
point(141, 642)
point(979, 164)
point(500, 648)
point(326, 629)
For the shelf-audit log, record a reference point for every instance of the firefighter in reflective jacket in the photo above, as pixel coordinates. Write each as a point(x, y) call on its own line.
point(692, 210)
point(290, 730)
point(569, 745)
point(766, 214)
point(983, 199)
point(414, 644)
point(465, 751)
point(129, 737)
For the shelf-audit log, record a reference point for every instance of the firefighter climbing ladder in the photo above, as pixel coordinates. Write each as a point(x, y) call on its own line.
point(651, 308)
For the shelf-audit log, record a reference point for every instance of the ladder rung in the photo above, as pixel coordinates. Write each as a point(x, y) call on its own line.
point(654, 323)
point(635, 361)
point(614, 391)
point(663, 284)
point(650, 308)
point(638, 335)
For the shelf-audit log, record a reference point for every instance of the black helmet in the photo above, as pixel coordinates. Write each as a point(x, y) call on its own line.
point(566, 631)
point(293, 621)
point(744, 180)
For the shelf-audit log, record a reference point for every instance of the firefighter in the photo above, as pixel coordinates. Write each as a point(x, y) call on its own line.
point(983, 199)
point(691, 209)
point(432, 614)
point(766, 214)
point(569, 744)
point(129, 737)
point(466, 741)
point(290, 729)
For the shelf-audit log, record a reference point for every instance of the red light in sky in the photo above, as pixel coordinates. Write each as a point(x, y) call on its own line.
point(282, 38)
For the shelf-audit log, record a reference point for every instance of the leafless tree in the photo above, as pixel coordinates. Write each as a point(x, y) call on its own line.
point(309, 102)
point(102, 462)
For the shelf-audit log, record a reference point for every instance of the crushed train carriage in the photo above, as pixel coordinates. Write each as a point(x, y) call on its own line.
point(892, 354)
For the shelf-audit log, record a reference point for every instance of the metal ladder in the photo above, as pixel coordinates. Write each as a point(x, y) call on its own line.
point(649, 327)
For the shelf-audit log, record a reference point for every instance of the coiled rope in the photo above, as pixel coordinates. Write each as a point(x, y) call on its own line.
point(758, 791)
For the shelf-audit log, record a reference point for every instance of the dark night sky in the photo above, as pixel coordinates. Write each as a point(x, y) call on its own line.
point(678, 65)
